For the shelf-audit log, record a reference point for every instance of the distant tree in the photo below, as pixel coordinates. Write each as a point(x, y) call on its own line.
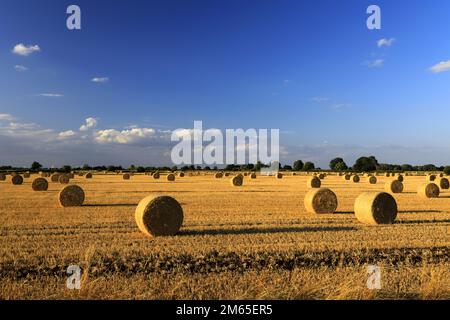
point(366, 164)
point(340, 166)
point(174, 168)
point(287, 168)
point(259, 165)
point(207, 168)
point(86, 167)
point(36, 166)
point(66, 169)
point(429, 167)
point(308, 166)
point(335, 162)
point(140, 169)
point(298, 165)
point(407, 167)
point(447, 170)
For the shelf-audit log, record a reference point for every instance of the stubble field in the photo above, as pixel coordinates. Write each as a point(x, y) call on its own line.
point(251, 242)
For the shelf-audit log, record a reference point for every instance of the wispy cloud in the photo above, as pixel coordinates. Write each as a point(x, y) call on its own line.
point(441, 67)
point(128, 136)
point(6, 117)
point(341, 106)
point(90, 123)
point(20, 68)
point(100, 79)
point(320, 99)
point(378, 63)
point(23, 50)
point(66, 134)
point(51, 95)
point(385, 42)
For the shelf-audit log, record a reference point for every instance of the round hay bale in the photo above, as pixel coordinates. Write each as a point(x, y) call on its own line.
point(181, 174)
point(44, 174)
point(2, 177)
point(372, 180)
point(321, 176)
point(431, 177)
point(444, 183)
point(376, 208)
point(428, 190)
point(170, 177)
point(400, 178)
point(40, 184)
point(320, 201)
point(237, 181)
point(279, 175)
point(347, 177)
point(26, 175)
point(253, 175)
point(64, 179)
point(227, 174)
point(218, 175)
point(394, 186)
point(156, 175)
point(88, 175)
point(126, 176)
point(245, 174)
point(441, 175)
point(71, 196)
point(72, 175)
point(355, 178)
point(159, 216)
point(54, 177)
point(387, 174)
point(13, 174)
point(314, 182)
point(17, 180)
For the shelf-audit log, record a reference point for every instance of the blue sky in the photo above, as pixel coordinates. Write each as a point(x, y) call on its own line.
point(310, 68)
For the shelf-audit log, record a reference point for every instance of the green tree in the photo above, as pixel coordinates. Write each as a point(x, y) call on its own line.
point(66, 169)
point(340, 166)
point(366, 164)
point(407, 167)
point(447, 170)
point(335, 162)
point(36, 166)
point(308, 166)
point(298, 165)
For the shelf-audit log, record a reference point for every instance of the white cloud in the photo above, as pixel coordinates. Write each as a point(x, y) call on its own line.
point(90, 123)
point(341, 106)
point(385, 42)
point(100, 79)
point(6, 117)
point(129, 136)
point(320, 99)
point(376, 63)
point(66, 134)
point(24, 50)
point(20, 68)
point(51, 95)
point(441, 67)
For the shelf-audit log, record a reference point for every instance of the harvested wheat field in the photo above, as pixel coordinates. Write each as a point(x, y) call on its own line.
point(252, 242)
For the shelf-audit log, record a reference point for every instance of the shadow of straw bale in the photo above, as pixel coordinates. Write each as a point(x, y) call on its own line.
point(246, 231)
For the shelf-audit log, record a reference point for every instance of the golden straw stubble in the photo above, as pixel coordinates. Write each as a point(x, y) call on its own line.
point(313, 182)
point(71, 196)
point(321, 201)
point(39, 184)
point(159, 216)
point(428, 190)
point(376, 208)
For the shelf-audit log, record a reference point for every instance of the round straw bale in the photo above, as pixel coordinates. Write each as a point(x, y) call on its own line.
point(126, 176)
point(218, 175)
point(245, 174)
point(71, 196)
point(227, 174)
point(13, 174)
point(156, 175)
point(428, 190)
point(400, 178)
point(372, 180)
point(443, 183)
point(237, 181)
point(279, 175)
point(431, 177)
point(347, 177)
point(355, 178)
point(376, 208)
point(17, 180)
point(159, 216)
point(72, 175)
point(26, 175)
point(441, 175)
point(88, 175)
point(313, 182)
point(394, 186)
point(55, 177)
point(44, 174)
point(170, 177)
point(387, 174)
point(2, 177)
point(181, 174)
point(321, 176)
point(64, 179)
point(253, 175)
point(39, 184)
point(321, 200)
